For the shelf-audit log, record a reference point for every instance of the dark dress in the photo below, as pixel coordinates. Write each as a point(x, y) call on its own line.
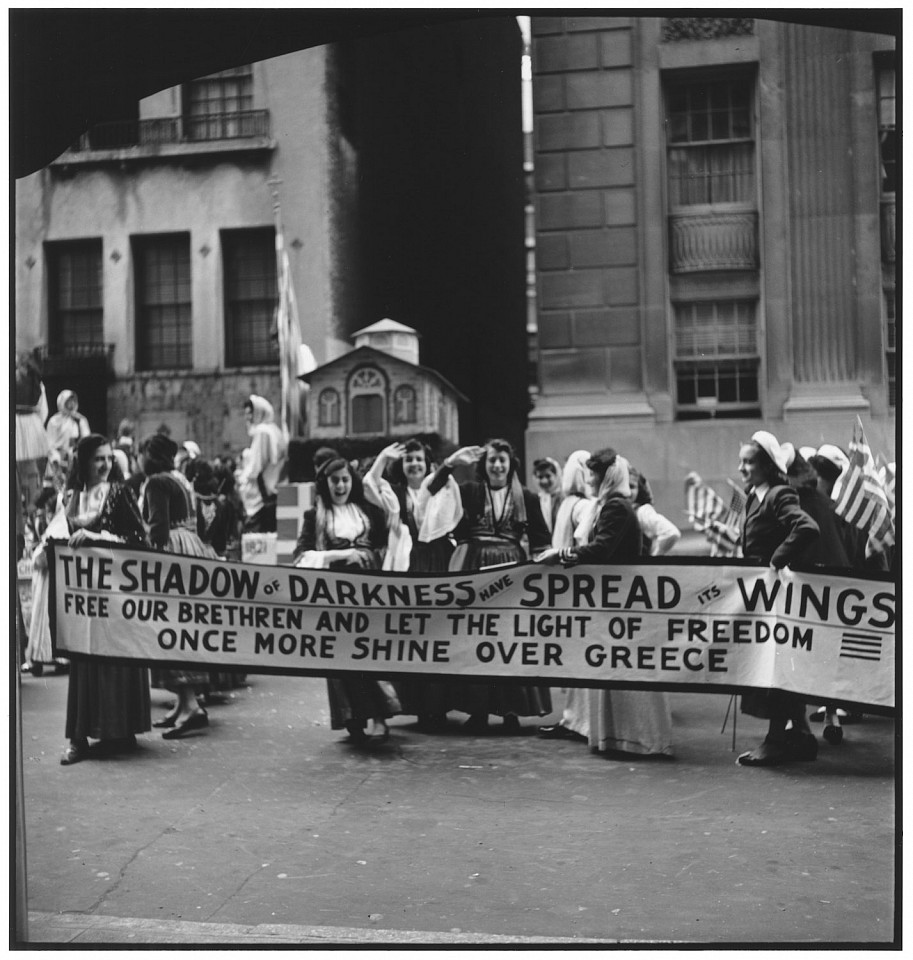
point(484, 540)
point(106, 701)
point(360, 696)
point(417, 696)
point(171, 519)
point(776, 530)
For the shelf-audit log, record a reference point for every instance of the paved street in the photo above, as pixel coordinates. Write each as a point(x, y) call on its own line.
point(271, 828)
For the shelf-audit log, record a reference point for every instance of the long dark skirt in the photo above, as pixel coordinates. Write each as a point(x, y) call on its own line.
point(500, 699)
point(360, 698)
point(420, 696)
point(107, 701)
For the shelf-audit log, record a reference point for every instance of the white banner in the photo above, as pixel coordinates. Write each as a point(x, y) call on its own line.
point(717, 625)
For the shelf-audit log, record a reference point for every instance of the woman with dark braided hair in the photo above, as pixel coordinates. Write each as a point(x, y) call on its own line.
point(107, 702)
point(169, 513)
point(502, 523)
point(345, 532)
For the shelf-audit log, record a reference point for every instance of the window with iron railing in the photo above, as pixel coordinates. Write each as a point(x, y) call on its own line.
point(710, 141)
point(218, 106)
point(76, 313)
point(251, 294)
point(716, 359)
point(163, 302)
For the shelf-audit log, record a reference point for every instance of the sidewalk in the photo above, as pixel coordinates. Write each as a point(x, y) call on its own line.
point(270, 828)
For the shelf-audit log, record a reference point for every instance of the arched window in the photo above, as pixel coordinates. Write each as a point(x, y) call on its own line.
point(367, 399)
point(328, 408)
point(404, 404)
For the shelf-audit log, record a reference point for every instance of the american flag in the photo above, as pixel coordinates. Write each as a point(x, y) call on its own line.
point(887, 475)
point(709, 514)
point(860, 496)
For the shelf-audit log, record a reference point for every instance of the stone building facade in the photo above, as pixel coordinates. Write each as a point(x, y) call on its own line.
point(714, 238)
point(145, 254)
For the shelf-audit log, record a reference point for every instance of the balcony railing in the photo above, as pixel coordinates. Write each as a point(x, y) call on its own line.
point(76, 358)
point(706, 28)
point(713, 241)
point(888, 230)
point(160, 131)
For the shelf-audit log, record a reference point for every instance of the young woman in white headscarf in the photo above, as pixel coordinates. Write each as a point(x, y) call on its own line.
point(572, 528)
point(502, 523)
point(68, 426)
point(618, 721)
point(262, 463)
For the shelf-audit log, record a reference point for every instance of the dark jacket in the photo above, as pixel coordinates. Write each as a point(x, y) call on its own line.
point(777, 530)
point(375, 540)
point(616, 536)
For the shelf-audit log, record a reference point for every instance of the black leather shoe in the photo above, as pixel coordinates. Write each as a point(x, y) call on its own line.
point(557, 731)
point(196, 721)
point(165, 722)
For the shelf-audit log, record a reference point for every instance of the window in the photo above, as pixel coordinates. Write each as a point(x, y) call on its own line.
point(75, 278)
point(163, 302)
point(249, 265)
point(710, 141)
point(328, 408)
point(367, 393)
point(891, 344)
point(404, 405)
point(887, 128)
point(716, 359)
point(219, 106)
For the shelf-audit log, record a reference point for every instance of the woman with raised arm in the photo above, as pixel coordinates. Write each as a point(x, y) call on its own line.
point(502, 523)
point(345, 532)
point(105, 701)
point(419, 541)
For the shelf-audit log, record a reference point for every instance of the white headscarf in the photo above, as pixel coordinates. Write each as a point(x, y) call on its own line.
point(574, 488)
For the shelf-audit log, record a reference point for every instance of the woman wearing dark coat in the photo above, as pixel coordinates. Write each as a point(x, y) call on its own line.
point(502, 523)
point(778, 532)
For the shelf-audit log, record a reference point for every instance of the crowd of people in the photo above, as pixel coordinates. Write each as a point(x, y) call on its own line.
point(402, 511)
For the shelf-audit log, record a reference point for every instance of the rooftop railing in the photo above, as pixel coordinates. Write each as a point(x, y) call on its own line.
point(160, 131)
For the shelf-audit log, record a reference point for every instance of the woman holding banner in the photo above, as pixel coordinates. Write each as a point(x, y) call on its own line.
point(344, 532)
point(572, 529)
point(418, 540)
point(776, 531)
point(107, 702)
point(170, 515)
point(625, 721)
point(501, 524)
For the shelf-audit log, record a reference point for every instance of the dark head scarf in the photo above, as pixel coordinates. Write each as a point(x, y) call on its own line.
point(159, 452)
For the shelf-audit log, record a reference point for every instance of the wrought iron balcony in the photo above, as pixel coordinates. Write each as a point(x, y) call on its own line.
point(713, 241)
point(888, 230)
point(706, 28)
point(162, 131)
point(76, 358)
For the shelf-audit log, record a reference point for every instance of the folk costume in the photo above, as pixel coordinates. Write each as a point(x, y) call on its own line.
point(498, 526)
point(360, 526)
